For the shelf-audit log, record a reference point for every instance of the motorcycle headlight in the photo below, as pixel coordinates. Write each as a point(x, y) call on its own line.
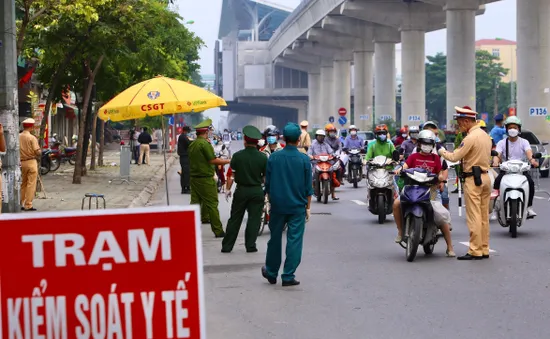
point(323, 158)
point(336, 166)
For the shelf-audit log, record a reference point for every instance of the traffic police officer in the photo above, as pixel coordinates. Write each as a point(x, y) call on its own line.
point(204, 189)
point(29, 151)
point(475, 152)
point(288, 184)
point(248, 167)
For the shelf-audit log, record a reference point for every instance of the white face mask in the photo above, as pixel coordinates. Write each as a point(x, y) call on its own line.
point(353, 132)
point(512, 132)
point(426, 148)
point(404, 135)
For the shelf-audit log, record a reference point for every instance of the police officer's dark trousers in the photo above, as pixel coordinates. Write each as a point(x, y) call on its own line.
point(294, 242)
point(204, 192)
point(251, 200)
point(184, 179)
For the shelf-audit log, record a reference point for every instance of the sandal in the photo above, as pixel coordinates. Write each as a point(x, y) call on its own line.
point(335, 198)
point(450, 254)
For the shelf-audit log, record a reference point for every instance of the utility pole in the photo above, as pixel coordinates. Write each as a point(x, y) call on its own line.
point(9, 115)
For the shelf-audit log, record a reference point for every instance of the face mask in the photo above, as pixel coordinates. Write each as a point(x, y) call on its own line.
point(426, 148)
point(382, 137)
point(404, 135)
point(437, 139)
point(332, 135)
point(271, 139)
point(215, 142)
point(512, 132)
point(353, 132)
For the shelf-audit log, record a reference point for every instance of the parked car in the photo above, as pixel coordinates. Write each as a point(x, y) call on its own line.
point(536, 146)
point(368, 136)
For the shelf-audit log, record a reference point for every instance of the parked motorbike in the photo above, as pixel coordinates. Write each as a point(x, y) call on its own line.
point(45, 162)
point(417, 212)
point(511, 204)
point(265, 216)
point(60, 155)
point(355, 168)
point(380, 185)
point(324, 176)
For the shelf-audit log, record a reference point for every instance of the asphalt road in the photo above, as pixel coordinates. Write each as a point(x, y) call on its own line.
point(356, 282)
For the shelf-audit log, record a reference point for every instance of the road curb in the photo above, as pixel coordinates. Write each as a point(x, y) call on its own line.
point(145, 195)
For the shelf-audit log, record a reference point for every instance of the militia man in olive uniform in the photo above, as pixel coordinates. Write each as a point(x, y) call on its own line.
point(474, 152)
point(204, 189)
point(248, 167)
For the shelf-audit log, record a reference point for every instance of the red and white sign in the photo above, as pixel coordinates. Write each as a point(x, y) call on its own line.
point(133, 273)
point(342, 111)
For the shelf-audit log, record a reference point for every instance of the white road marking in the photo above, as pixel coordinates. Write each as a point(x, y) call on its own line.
point(540, 198)
point(467, 244)
point(359, 202)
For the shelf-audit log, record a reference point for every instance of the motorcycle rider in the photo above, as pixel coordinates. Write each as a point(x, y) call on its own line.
point(318, 147)
point(516, 148)
point(334, 142)
point(408, 146)
point(382, 146)
point(499, 131)
point(221, 151)
point(271, 135)
point(343, 135)
point(401, 137)
point(432, 162)
point(353, 140)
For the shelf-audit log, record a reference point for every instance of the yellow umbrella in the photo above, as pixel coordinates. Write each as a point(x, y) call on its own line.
point(158, 96)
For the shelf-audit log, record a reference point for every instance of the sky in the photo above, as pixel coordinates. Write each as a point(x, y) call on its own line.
point(499, 21)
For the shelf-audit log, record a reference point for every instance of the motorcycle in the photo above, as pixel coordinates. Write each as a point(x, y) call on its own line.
point(323, 178)
point(417, 212)
point(355, 169)
point(511, 204)
point(62, 155)
point(265, 216)
point(380, 185)
point(45, 162)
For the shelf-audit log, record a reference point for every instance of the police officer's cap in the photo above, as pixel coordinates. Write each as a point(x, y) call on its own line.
point(252, 132)
point(292, 132)
point(28, 121)
point(205, 125)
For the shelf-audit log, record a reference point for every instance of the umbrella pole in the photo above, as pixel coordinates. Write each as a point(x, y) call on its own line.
point(165, 167)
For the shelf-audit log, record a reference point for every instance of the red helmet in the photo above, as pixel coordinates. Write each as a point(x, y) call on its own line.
point(381, 129)
point(403, 130)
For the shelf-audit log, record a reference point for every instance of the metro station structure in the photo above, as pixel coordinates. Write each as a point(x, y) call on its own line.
point(281, 65)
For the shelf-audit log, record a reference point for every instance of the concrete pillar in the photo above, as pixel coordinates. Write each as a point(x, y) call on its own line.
point(461, 55)
point(363, 91)
point(413, 94)
point(303, 112)
point(341, 91)
point(327, 98)
point(314, 98)
point(384, 81)
point(533, 59)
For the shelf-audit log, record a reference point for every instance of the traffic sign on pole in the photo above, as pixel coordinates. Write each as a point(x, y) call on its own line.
point(95, 271)
point(331, 119)
point(171, 121)
point(342, 111)
point(342, 120)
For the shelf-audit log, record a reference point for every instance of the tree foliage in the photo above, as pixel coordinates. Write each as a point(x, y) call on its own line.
point(489, 73)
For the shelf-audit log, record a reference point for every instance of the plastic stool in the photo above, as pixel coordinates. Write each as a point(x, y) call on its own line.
point(97, 197)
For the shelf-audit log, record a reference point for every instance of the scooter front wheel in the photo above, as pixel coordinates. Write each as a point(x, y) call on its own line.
point(326, 191)
point(381, 204)
point(414, 227)
point(514, 204)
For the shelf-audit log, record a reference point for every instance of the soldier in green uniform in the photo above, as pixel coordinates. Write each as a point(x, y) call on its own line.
point(248, 166)
point(203, 186)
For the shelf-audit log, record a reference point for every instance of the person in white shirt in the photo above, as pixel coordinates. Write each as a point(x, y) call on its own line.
point(515, 148)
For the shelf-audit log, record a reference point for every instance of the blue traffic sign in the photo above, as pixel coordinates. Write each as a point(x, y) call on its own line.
point(171, 121)
point(342, 120)
point(331, 119)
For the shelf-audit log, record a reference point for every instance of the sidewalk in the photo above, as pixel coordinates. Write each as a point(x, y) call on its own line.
point(62, 195)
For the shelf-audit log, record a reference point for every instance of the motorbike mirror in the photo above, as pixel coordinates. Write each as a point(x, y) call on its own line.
point(345, 149)
point(537, 155)
point(494, 153)
point(395, 155)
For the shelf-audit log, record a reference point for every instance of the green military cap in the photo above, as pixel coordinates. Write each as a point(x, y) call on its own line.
point(292, 132)
point(252, 132)
point(204, 125)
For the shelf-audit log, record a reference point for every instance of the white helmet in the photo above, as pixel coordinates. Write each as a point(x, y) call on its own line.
point(353, 127)
point(426, 137)
point(320, 132)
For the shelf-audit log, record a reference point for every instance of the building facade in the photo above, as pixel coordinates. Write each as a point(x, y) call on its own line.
point(505, 50)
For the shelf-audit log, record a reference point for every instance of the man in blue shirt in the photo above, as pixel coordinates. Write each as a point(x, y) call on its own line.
point(353, 140)
point(288, 185)
point(499, 131)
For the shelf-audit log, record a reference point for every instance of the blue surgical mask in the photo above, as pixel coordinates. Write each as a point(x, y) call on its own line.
point(271, 139)
point(215, 142)
point(382, 137)
point(437, 139)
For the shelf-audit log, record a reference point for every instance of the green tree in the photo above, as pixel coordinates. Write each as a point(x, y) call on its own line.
point(488, 79)
point(436, 86)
